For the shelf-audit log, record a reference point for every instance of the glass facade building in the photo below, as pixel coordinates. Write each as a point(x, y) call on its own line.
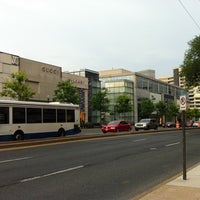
point(137, 86)
point(115, 88)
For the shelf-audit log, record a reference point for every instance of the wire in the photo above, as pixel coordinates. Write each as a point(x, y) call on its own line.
point(195, 22)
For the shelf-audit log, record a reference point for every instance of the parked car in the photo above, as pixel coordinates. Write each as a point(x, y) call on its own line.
point(188, 124)
point(146, 124)
point(195, 124)
point(116, 126)
point(169, 125)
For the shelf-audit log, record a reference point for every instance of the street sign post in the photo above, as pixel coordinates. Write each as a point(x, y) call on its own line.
point(183, 108)
point(183, 102)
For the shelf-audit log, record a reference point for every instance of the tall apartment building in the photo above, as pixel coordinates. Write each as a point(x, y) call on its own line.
point(167, 79)
point(178, 80)
point(193, 92)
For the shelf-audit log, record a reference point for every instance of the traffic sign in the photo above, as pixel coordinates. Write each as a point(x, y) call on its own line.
point(183, 102)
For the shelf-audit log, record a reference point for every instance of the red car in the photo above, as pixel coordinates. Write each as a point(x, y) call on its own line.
point(116, 126)
point(188, 124)
point(169, 125)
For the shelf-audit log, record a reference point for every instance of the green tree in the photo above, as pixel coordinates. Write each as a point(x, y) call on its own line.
point(161, 109)
point(100, 102)
point(191, 64)
point(172, 110)
point(147, 107)
point(123, 104)
point(17, 87)
point(196, 113)
point(193, 113)
point(66, 92)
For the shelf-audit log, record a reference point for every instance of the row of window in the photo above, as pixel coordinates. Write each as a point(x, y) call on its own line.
point(157, 87)
point(36, 115)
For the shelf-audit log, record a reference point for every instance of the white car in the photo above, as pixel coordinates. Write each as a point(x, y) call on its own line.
point(195, 124)
point(146, 124)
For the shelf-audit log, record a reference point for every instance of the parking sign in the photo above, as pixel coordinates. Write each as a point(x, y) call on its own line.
point(183, 102)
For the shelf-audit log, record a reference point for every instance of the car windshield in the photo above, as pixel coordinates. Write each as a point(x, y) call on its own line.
point(144, 120)
point(113, 122)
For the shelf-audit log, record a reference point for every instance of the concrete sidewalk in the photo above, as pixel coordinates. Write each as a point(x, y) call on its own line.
point(177, 189)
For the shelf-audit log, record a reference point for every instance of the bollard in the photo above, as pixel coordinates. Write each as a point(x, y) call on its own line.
point(177, 124)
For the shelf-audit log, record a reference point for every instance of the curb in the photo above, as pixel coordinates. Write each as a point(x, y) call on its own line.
point(53, 140)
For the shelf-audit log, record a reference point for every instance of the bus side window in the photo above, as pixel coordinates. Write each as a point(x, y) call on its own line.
point(34, 115)
point(70, 116)
point(18, 115)
point(49, 115)
point(4, 115)
point(61, 115)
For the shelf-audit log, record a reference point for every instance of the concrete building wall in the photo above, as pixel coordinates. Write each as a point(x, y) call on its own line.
point(43, 78)
point(8, 64)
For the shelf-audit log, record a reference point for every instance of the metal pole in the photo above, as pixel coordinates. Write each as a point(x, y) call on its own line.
point(184, 146)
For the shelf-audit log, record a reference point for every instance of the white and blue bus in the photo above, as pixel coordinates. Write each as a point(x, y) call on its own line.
point(24, 120)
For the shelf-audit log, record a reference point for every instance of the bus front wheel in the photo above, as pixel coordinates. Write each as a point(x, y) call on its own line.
point(19, 135)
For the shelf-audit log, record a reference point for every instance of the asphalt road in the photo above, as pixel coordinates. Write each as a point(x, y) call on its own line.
point(115, 168)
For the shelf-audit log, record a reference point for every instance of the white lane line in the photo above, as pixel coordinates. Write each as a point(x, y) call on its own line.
point(172, 144)
point(51, 174)
point(139, 140)
point(16, 159)
point(153, 148)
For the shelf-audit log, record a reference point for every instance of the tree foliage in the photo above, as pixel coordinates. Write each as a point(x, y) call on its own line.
point(123, 104)
point(66, 93)
point(100, 102)
point(147, 107)
point(191, 64)
point(172, 110)
point(17, 87)
point(161, 108)
point(193, 113)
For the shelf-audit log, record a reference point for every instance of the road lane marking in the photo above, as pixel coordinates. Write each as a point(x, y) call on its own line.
point(153, 148)
point(16, 159)
point(51, 174)
point(139, 140)
point(172, 144)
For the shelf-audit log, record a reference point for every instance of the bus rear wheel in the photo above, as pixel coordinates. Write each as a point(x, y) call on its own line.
point(61, 132)
point(19, 135)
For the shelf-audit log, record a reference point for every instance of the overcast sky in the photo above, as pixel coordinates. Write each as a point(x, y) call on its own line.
point(100, 34)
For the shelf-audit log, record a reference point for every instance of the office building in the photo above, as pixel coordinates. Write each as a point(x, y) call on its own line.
point(139, 85)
